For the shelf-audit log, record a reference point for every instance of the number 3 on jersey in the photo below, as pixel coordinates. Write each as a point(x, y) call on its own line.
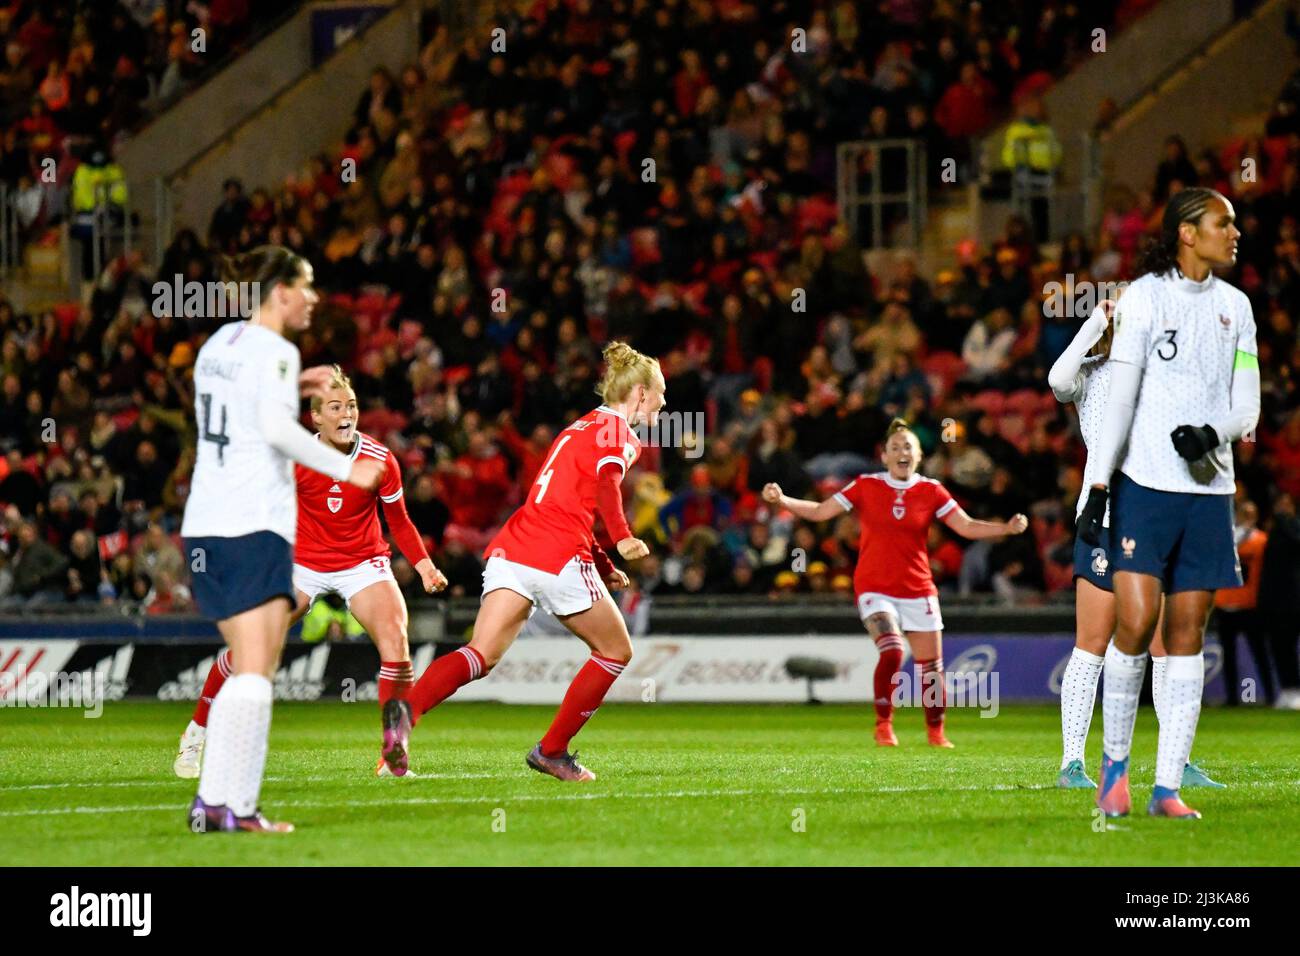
point(220, 439)
point(544, 477)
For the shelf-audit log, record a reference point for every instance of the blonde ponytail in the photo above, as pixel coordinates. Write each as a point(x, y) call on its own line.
point(626, 368)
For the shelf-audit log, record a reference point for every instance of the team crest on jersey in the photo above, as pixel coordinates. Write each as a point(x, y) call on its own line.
point(334, 504)
point(1099, 562)
point(284, 369)
point(1225, 322)
point(629, 453)
point(1128, 544)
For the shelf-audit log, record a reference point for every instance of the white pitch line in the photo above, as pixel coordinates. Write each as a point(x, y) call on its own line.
point(612, 795)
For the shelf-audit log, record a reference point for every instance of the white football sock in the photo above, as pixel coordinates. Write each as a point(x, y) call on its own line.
point(1078, 697)
point(1119, 700)
point(1184, 685)
point(235, 751)
point(1158, 685)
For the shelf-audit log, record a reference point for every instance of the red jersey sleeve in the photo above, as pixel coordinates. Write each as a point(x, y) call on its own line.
point(390, 487)
point(944, 502)
point(850, 496)
point(609, 500)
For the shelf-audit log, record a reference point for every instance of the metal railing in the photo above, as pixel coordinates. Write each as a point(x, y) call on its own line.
point(863, 199)
point(10, 252)
point(1063, 206)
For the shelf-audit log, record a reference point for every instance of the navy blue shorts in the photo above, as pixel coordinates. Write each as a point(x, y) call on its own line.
point(238, 574)
point(1091, 562)
point(1183, 539)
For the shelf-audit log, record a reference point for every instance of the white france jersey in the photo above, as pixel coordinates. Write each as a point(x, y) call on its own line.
point(241, 484)
point(1094, 376)
point(1186, 335)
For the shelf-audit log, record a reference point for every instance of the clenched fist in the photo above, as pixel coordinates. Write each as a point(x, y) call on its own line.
point(633, 549)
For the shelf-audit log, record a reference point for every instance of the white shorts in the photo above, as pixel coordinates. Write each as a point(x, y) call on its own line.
point(577, 587)
point(346, 583)
point(914, 614)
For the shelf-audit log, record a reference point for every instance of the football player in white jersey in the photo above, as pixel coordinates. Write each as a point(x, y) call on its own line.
point(241, 515)
point(1082, 375)
point(1184, 385)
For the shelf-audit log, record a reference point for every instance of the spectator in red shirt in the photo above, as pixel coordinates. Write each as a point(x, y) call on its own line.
point(964, 110)
point(1284, 452)
point(696, 506)
point(689, 83)
point(477, 484)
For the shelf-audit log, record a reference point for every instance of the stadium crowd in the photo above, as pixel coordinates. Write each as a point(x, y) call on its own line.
point(500, 229)
point(75, 77)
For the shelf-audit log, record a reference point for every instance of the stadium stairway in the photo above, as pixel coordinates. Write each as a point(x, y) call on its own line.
point(306, 118)
point(1136, 57)
point(1246, 64)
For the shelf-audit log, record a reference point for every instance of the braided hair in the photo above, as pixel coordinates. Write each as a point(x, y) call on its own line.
point(1160, 254)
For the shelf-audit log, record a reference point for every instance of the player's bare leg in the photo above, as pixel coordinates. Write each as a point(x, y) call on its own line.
point(189, 757)
point(1137, 609)
point(1094, 622)
point(602, 629)
point(1187, 612)
point(500, 618)
point(885, 630)
point(927, 651)
point(381, 611)
point(231, 780)
point(301, 605)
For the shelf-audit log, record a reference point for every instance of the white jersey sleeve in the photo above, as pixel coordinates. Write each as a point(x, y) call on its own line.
point(1244, 400)
point(1093, 393)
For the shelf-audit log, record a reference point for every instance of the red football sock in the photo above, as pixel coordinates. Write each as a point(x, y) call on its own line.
point(890, 663)
point(216, 677)
point(932, 691)
point(580, 702)
point(395, 680)
point(442, 678)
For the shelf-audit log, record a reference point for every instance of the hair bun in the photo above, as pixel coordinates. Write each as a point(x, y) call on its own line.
point(620, 355)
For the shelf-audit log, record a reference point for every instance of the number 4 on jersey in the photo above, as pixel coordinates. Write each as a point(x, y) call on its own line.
point(544, 477)
point(220, 439)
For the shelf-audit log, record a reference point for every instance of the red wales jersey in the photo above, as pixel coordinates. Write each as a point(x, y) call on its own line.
point(338, 523)
point(894, 517)
point(553, 525)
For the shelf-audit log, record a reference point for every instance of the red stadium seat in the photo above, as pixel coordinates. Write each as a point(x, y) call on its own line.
point(1022, 402)
point(990, 402)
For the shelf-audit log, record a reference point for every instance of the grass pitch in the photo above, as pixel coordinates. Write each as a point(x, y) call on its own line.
point(678, 785)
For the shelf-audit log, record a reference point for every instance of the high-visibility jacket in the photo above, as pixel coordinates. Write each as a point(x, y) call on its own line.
point(88, 182)
point(1033, 144)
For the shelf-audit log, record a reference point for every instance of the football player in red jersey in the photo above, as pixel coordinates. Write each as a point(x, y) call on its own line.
point(341, 549)
point(896, 592)
point(545, 555)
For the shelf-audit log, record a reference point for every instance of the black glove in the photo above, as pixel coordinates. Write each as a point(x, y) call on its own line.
point(1192, 442)
point(1094, 512)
